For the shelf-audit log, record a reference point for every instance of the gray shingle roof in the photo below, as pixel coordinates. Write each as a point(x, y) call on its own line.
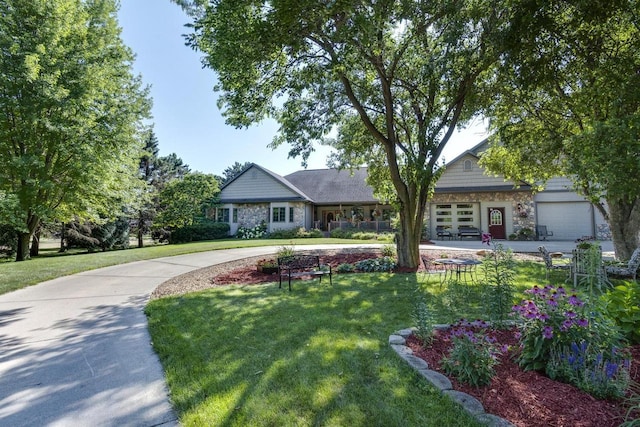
point(331, 186)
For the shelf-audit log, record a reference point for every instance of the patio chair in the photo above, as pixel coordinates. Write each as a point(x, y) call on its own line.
point(442, 232)
point(548, 263)
point(542, 233)
point(631, 270)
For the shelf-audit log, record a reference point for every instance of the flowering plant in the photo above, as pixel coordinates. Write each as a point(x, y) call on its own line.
point(552, 318)
point(474, 353)
point(256, 232)
point(601, 374)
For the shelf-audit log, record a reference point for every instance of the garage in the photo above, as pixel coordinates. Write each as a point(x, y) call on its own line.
point(568, 220)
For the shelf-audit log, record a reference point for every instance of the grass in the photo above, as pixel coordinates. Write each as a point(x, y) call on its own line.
point(51, 264)
point(257, 355)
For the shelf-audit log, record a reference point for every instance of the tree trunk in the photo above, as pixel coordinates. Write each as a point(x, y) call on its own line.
point(23, 246)
point(63, 247)
point(140, 240)
point(35, 244)
point(624, 222)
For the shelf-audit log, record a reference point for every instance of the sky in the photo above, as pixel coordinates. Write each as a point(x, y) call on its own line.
point(186, 118)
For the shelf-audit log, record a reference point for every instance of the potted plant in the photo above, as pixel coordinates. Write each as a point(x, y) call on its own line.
point(267, 266)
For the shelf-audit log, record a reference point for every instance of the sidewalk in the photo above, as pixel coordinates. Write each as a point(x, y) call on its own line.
point(564, 246)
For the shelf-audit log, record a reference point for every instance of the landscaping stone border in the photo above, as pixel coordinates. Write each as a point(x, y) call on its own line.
point(469, 403)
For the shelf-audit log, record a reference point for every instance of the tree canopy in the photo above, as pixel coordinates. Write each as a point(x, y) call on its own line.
point(568, 103)
point(71, 110)
point(392, 79)
point(184, 201)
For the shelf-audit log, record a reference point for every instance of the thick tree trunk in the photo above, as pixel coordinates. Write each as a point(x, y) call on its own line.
point(35, 244)
point(140, 239)
point(23, 246)
point(63, 235)
point(410, 232)
point(624, 222)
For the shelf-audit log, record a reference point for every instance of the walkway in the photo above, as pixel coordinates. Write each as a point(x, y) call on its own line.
point(75, 351)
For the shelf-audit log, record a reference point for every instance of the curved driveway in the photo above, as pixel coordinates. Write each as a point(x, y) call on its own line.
point(75, 351)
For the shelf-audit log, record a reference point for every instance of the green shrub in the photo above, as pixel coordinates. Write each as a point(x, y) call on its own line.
point(498, 267)
point(388, 251)
point(622, 305)
point(346, 268)
point(423, 320)
point(604, 375)
point(342, 233)
point(285, 251)
point(257, 232)
point(364, 235)
point(473, 354)
point(295, 233)
point(205, 230)
point(375, 265)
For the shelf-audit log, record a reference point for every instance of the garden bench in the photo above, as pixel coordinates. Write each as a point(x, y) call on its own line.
point(302, 265)
point(468, 232)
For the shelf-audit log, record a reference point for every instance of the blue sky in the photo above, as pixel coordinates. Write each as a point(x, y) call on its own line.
point(186, 117)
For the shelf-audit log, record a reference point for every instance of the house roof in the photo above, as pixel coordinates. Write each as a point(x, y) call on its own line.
point(331, 186)
point(276, 177)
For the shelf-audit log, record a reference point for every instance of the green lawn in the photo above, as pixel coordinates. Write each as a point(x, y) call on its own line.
point(258, 355)
point(17, 275)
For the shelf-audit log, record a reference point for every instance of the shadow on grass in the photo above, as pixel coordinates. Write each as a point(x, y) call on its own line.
point(258, 355)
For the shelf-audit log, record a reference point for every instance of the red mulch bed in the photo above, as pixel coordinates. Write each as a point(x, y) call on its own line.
point(530, 399)
point(526, 399)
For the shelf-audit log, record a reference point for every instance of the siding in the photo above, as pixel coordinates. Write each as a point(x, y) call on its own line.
point(455, 176)
point(257, 185)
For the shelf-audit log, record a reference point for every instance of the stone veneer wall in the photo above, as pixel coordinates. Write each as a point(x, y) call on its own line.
point(519, 222)
point(250, 215)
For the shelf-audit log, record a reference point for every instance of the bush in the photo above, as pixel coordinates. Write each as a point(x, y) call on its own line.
point(388, 251)
point(206, 230)
point(424, 321)
point(295, 233)
point(257, 232)
point(346, 268)
point(622, 305)
point(376, 265)
point(554, 319)
point(342, 233)
point(473, 355)
point(498, 267)
point(8, 240)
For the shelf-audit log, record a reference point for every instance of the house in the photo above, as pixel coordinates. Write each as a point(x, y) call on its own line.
point(321, 198)
point(464, 196)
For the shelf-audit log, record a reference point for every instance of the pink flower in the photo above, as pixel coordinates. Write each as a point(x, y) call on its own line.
point(486, 238)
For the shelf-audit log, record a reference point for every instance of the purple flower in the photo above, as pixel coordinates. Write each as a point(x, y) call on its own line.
point(486, 238)
point(547, 332)
point(583, 323)
point(570, 315)
point(574, 300)
point(611, 369)
point(561, 291)
point(552, 302)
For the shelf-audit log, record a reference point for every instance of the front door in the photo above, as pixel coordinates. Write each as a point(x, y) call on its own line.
point(497, 227)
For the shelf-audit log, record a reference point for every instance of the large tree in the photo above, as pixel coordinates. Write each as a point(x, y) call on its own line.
point(184, 201)
point(70, 109)
point(391, 78)
point(568, 103)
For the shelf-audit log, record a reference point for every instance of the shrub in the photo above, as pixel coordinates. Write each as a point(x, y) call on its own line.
point(342, 233)
point(346, 268)
point(498, 267)
point(602, 375)
point(205, 230)
point(553, 319)
point(473, 354)
point(622, 305)
point(285, 251)
point(295, 233)
point(8, 240)
point(376, 265)
point(424, 321)
point(257, 232)
point(388, 251)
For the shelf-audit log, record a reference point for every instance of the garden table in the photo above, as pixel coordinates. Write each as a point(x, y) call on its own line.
point(459, 266)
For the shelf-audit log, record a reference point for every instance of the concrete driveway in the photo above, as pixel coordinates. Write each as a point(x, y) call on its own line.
point(75, 351)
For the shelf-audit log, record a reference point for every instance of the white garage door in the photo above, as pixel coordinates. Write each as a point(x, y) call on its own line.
point(568, 221)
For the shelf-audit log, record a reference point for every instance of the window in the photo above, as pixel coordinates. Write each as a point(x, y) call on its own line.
point(453, 216)
point(290, 214)
point(223, 215)
point(496, 217)
point(279, 215)
point(467, 166)
point(235, 215)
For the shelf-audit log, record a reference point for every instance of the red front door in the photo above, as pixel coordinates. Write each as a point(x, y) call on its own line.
point(496, 223)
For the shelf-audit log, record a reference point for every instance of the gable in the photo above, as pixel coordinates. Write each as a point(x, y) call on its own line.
point(464, 174)
point(256, 184)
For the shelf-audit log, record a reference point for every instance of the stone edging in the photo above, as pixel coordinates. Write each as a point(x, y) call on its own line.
point(469, 403)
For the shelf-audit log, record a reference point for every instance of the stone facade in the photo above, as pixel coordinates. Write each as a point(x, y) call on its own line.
point(522, 205)
point(250, 215)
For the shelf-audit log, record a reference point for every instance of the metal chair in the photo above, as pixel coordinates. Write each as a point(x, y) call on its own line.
point(542, 233)
point(631, 270)
point(548, 263)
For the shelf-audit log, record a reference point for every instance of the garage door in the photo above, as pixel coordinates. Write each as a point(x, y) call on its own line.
point(568, 221)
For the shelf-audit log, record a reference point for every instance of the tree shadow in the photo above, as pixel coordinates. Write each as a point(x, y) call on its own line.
point(96, 370)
